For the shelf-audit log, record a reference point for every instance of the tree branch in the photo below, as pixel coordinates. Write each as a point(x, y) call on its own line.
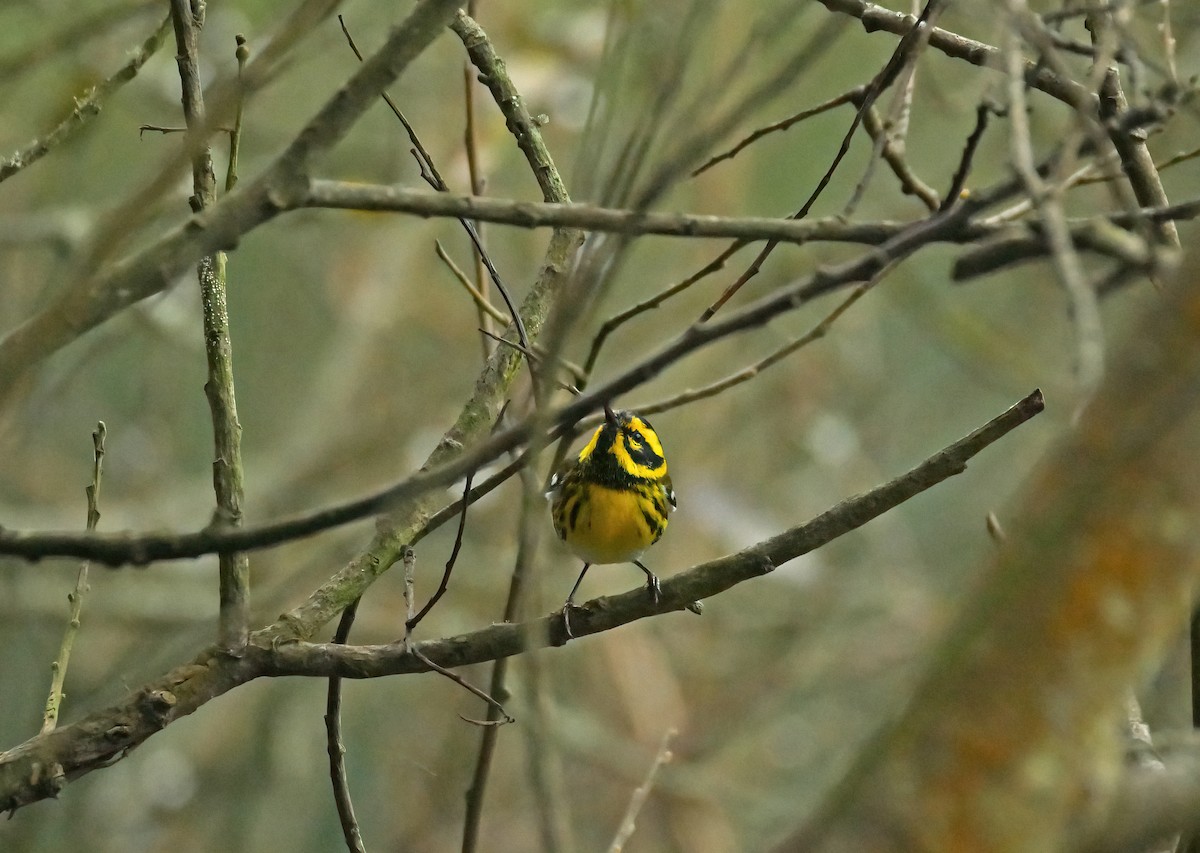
point(380, 197)
point(91, 301)
point(42, 766)
point(87, 107)
point(984, 55)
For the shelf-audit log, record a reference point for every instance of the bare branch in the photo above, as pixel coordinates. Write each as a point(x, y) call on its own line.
point(40, 767)
point(1037, 76)
point(95, 299)
point(87, 107)
point(234, 568)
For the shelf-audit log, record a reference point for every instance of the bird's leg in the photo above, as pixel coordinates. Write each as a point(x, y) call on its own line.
point(653, 586)
point(570, 602)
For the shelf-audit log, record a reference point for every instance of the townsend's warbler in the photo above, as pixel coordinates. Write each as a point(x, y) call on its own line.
point(612, 503)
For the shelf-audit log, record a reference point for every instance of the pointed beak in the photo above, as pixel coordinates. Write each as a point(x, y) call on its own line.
point(609, 415)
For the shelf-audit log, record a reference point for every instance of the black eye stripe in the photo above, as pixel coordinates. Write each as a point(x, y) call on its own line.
point(642, 454)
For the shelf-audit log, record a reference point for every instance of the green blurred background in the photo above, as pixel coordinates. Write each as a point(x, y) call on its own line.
point(354, 349)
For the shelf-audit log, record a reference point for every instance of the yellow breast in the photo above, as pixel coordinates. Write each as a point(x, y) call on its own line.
point(612, 526)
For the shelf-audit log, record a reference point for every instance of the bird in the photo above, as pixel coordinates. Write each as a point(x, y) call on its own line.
point(614, 500)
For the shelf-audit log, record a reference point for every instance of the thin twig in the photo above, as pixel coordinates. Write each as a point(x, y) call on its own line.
point(486, 308)
point(343, 195)
point(850, 97)
point(641, 792)
point(747, 373)
point(1085, 310)
point(75, 597)
point(413, 621)
point(242, 54)
point(1160, 166)
point(892, 153)
point(335, 745)
point(959, 182)
point(409, 559)
point(167, 130)
point(616, 321)
point(475, 177)
point(503, 717)
point(513, 605)
point(536, 354)
point(879, 140)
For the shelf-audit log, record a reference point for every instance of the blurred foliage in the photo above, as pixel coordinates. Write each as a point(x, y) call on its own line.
point(354, 347)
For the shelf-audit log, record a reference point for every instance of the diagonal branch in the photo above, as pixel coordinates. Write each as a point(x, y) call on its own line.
point(42, 766)
point(87, 107)
point(95, 299)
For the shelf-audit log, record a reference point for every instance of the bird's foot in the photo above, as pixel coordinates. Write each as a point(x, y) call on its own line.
point(566, 616)
point(654, 587)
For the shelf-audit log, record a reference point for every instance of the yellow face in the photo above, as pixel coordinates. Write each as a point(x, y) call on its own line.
point(631, 444)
